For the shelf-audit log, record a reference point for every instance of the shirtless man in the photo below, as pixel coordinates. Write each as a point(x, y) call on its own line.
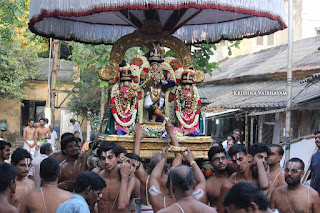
point(42, 134)
point(21, 159)
point(41, 200)
point(29, 137)
point(68, 166)
point(295, 197)
point(4, 150)
point(59, 155)
point(134, 161)
point(7, 187)
point(116, 197)
point(144, 176)
point(218, 160)
point(158, 199)
point(182, 183)
point(276, 172)
point(250, 168)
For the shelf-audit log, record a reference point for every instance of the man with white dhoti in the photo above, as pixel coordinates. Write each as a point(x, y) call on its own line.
point(28, 137)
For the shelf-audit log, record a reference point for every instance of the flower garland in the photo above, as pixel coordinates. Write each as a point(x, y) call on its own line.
point(117, 104)
point(115, 108)
point(169, 106)
point(187, 126)
point(129, 123)
point(141, 101)
point(196, 109)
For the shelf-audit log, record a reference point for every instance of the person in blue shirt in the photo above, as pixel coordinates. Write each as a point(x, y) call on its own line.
point(88, 187)
point(315, 165)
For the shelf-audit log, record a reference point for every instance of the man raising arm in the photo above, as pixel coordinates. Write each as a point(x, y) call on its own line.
point(159, 200)
point(144, 176)
point(253, 172)
point(181, 187)
point(120, 185)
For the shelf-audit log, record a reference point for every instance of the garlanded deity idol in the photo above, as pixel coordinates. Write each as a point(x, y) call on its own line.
point(156, 80)
point(123, 103)
point(188, 104)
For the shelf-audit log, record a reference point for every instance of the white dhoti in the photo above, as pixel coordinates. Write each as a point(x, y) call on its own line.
point(31, 150)
point(146, 209)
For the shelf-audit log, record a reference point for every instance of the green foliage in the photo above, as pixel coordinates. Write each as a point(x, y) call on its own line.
point(14, 17)
point(9, 13)
point(86, 95)
point(132, 53)
point(233, 44)
point(19, 49)
point(16, 68)
point(170, 53)
point(201, 55)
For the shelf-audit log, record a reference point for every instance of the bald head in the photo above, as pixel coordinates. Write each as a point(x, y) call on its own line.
point(182, 177)
point(155, 159)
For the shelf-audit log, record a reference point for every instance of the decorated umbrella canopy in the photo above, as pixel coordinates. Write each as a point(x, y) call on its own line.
point(192, 21)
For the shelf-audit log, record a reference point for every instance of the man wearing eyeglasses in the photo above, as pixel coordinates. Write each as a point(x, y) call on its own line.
point(295, 197)
point(315, 165)
point(21, 159)
point(218, 160)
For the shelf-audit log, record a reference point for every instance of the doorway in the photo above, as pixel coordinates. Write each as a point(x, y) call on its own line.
point(31, 109)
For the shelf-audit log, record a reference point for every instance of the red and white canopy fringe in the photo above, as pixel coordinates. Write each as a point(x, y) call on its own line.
point(105, 21)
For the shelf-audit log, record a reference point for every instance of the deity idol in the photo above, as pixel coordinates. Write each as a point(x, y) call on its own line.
point(188, 105)
point(157, 80)
point(123, 103)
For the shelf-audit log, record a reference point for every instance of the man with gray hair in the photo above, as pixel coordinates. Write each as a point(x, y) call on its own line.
point(54, 137)
point(34, 173)
point(181, 188)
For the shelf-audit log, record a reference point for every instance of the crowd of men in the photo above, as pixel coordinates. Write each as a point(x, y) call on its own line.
point(243, 180)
